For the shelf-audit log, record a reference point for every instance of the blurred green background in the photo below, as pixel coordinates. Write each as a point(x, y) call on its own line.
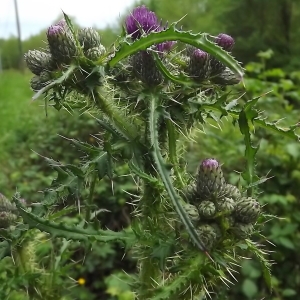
point(267, 35)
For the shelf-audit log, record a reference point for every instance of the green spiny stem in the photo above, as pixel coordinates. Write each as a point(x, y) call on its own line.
point(90, 198)
point(150, 207)
point(163, 172)
point(118, 120)
point(149, 271)
point(172, 139)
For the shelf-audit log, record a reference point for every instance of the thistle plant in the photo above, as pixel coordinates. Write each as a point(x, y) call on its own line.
point(188, 232)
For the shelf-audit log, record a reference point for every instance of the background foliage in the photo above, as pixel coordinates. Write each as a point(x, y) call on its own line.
point(24, 128)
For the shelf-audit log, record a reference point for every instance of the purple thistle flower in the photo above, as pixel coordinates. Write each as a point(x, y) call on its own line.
point(61, 42)
point(225, 41)
point(198, 66)
point(209, 164)
point(55, 30)
point(143, 21)
point(140, 21)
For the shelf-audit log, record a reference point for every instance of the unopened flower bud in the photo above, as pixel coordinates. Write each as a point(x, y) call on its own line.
point(95, 53)
point(61, 43)
point(207, 209)
point(208, 235)
point(192, 212)
point(232, 192)
point(226, 77)
point(45, 77)
point(36, 84)
point(225, 41)
point(145, 68)
point(247, 210)
point(210, 181)
point(242, 231)
point(38, 61)
point(88, 38)
point(225, 205)
point(198, 63)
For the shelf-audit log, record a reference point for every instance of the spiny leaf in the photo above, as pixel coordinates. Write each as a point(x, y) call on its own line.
point(58, 81)
point(181, 282)
point(199, 40)
point(258, 120)
point(162, 250)
point(103, 165)
point(250, 151)
point(74, 35)
point(142, 174)
point(181, 79)
point(71, 232)
point(274, 127)
point(266, 265)
point(85, 147)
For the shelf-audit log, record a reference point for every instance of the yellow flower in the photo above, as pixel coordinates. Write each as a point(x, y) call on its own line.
point(81, 281)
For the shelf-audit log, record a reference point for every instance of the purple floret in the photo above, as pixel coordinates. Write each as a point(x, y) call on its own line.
point(209, 164)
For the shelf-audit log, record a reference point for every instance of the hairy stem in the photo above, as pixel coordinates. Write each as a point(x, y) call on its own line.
point(115, 116)
point(172, 136)
point(149, 271)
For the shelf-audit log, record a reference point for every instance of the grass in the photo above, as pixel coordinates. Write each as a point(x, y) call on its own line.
point(19, 115)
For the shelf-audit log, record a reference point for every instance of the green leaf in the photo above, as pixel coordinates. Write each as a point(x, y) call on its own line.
point(162, 250)
point(245, 116)
point(249, 288)
point(180, 79)
point(72, 232)
point(142, 174)
point(103, 165)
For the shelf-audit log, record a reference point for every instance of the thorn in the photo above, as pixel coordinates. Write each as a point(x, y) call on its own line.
point(208, 255)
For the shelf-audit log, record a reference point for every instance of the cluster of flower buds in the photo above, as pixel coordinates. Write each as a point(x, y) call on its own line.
point(62, 50)
point(8, 212)
point(202, 66)
point(218, 209)
point(139, 23)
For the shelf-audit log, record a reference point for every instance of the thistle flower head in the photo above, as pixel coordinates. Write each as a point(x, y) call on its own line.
point(198, 66)
point(61, 42)
point(55, 30)
point(88, 38)
point(141, 20)
point(145, 68)
point(38, 61)
point(210, 181)
point(199, 54)
point(225, 41)
point(209, 164)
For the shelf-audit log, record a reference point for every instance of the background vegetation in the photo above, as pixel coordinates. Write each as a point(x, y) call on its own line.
point(267, 42)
